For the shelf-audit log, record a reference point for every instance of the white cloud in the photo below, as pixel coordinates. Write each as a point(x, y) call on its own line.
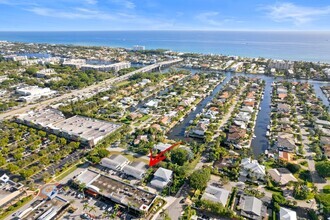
point(91, 2)
point(125, 3)
point(209, 18)
point(212, 18)
point(283, 12)
point(81, 13)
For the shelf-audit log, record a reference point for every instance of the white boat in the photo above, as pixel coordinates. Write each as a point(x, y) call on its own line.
point(260, 108)
point(254, 136)
point(267, 134)
point(268, 127)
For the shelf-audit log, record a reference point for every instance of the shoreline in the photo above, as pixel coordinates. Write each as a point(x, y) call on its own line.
point(237, 47)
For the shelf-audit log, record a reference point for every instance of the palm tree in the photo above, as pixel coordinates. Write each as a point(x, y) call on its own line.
point(92, 209)
point(106, 214)
point(86, 206)
point(82, 188)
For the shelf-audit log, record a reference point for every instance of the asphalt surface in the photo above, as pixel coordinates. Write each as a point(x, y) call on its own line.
point(75, 93)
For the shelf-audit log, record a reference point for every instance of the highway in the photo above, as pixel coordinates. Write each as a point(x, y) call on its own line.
point(74, 93)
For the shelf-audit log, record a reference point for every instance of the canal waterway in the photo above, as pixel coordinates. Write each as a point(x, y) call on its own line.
point(178, 131)
point(260, 143)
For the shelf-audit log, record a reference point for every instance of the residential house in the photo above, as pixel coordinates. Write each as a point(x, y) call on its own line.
point(140, 138)
point(216, 194)
point(236, 134)
point(162, 177)
point(199, 130)
point(285, 142)
point(287, 214)
point(286, 156)
point(283, 108)
point(282, 176)
point(252, 168)
point(251, 207)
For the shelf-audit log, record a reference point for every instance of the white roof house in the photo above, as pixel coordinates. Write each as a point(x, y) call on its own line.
point(135, 169)
point(115, 162)
point(162, 177)
point(216, 194)
point(250, 207)
point(162, 146)
point(252, 168)
point(287, 214)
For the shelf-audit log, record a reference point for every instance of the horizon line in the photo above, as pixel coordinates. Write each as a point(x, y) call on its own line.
point(182, 30)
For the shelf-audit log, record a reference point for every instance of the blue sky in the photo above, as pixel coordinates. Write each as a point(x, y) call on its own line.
point(63, 15)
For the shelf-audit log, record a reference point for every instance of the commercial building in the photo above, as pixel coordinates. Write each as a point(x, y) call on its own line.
point(9, 190)
point(98, 65)
point(117, 191)
point(106, 68)
point(88, 131)
point(45, 72)
point(33, 93)
point(139, 48)
point(45, 209)
point(115, 162)
point(136, 170)
point(280, 64)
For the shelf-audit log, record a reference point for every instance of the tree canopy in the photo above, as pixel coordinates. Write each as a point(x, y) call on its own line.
point(199, 178)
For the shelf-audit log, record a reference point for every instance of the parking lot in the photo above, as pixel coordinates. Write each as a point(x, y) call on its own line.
point(96, 207)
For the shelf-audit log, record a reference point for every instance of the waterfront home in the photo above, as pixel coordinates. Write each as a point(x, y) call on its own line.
point(210, 114)
point(240, 124)
point(285, 156)
point(248, 109)
point(236, 134)
point(199, 130)
point(249, 102)
point(252, 168)
point(243, 116)
point(285, 142)
point(216, 194)
point(282, 176)
point(224, 95)
point(252, 208)
point(162, 177)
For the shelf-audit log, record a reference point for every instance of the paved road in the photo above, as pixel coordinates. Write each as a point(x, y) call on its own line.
point(309, 156)
point(88, 89)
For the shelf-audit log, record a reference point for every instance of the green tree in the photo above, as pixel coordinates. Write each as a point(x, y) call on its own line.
point(323, 168)
point(199, 178)
point(179, 156)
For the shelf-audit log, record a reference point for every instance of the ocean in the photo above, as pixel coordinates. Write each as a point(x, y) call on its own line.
point(304, 46)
